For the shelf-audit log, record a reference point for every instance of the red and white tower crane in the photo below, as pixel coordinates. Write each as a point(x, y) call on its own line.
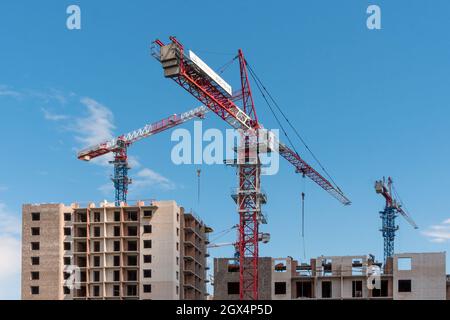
point(192, 74)
point(119, 146)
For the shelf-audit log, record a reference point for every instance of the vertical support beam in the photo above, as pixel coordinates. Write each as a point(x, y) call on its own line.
point(120, 178)
point(248, 200)
point(388, 230)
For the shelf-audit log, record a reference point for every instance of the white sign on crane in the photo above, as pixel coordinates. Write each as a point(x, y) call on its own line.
point(210, 72)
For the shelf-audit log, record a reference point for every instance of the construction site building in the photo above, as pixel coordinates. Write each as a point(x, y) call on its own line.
point(408, 276)
point(150, 250)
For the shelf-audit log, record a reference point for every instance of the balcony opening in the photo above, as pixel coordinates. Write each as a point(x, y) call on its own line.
point(116, 290)
point(280, 288)
point(148, 228)
point(97, 217)
point(132, 275)
point(96, 246)
point(131, 216)
point(81, 293)
point(132, 261)
point(404, 264)
point(82, 262)
point(116, 275)
point(81, 217)
point(67, 261)
point(81, 232)
point(35, 231)
point(327, 267)
point(131, 290)
point(404, 285)
point(116, 261)
point(132, 245)
point(304, 289)
point(81, 246)
point(67, 232)
point(132, 231)
point(116, 246)
point(147, 213)
point(147, 273)
point(36, 216)
point(357, 289)
point(383, 291)
point(96, 291)
point(147, 244)
point(326, 289)
point(147, 288)
point(233, 265)
point(233, 287)
point(357, 267)
point(280, 265)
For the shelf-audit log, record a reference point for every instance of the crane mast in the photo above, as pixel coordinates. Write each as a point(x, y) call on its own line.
point(193, 75)
point(119, 147)
point(391, 210)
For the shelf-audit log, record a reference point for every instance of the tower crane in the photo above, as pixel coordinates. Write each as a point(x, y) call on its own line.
point(198, 79)
point(391, 210)
point(119, 147)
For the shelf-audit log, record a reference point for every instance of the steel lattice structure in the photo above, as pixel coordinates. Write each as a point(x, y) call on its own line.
point(391, 210)
point(202, 83)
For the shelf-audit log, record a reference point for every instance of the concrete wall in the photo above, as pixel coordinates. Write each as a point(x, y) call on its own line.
point(448, 287)
point(164, 251)
point(50, 251)
point(222, 276)
point(282, 276)
point(427, 275)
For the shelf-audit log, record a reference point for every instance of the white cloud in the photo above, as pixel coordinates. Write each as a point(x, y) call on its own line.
point(10, 262)
point(10, 254)
point(147, 178)
point(96, 127)
point(9, 222)
point(53, 116)
point(49, 96)
point(8, 92)
point(438, 233)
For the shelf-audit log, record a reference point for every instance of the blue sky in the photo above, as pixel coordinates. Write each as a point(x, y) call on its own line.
point(369, 104)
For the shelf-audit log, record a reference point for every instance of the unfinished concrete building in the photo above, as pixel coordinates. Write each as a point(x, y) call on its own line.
point(150, 250)
point(409, 276)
